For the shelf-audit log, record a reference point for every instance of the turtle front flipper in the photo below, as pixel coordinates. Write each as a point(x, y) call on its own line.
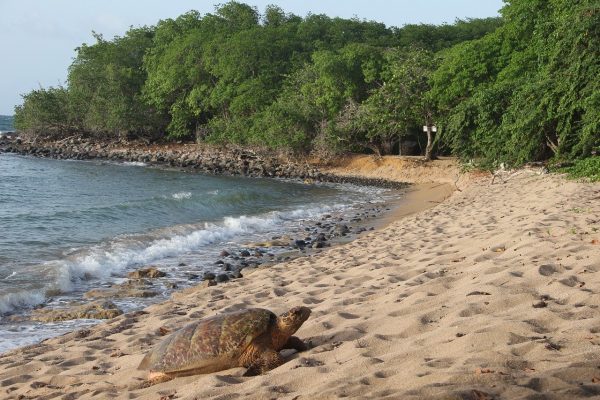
point(268, 360)
point(295, 343)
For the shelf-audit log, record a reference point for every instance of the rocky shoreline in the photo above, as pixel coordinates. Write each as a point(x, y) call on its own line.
point(314, 236)
point(192, 157)
point(149, 282)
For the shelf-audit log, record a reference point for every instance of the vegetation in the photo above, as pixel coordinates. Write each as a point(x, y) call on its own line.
point(588, 169)
point(527, 91)
point(509, 90)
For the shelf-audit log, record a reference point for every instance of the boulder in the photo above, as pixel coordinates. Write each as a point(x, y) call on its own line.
point(150, 272)
point(95, 310)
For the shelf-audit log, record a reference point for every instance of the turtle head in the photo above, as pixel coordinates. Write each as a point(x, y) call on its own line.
point(289, 322)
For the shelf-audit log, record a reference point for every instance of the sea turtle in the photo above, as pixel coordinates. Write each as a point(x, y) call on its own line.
point(249, 338)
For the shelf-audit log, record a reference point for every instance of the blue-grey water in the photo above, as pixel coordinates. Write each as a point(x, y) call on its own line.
point(6, 123)
point(68, 226)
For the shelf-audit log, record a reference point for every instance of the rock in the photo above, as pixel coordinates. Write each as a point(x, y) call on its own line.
point(224, 253)
point(341, 230)
point(94, 310)
point(208, 276)
point(227, 267)
point(272, 243)
point(245, 253)
point(127, 289)
point(237, 274)
point(208, 283)
point(222, 278)
point(151, 272)
point(299, 244)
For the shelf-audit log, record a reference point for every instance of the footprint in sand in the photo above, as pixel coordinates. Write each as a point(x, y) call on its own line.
point(278, 292)
point(348, 315)
point(16, 379)
point(572, 281)
point(473, 309)
point(538, 326)
point(312, 300)
point(440, 363)
point(548, 269)
point(383, 374)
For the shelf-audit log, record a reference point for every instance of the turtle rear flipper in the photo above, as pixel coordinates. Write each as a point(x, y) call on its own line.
point(268, 360)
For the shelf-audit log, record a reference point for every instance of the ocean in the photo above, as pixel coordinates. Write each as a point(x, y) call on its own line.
point(69, 226)
point(6, 124)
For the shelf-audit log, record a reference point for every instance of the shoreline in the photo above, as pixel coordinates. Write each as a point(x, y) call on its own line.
point(213, 160)
point(401, 206)
point(491, 293)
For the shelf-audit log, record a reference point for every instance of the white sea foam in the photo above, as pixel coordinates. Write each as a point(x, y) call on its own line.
point(10, 276)
point(21, 299)
point(181, 195)
point(115, 257)
point(134, 163)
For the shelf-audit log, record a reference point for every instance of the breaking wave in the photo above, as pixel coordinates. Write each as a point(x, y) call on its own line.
point(117, 256)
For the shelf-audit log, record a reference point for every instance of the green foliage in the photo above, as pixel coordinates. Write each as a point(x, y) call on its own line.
point(238, 76)
point(44, 111)
point(438, 37)
point(529, 90)
point(397, 106)
point(588, 169)
point(105, 81)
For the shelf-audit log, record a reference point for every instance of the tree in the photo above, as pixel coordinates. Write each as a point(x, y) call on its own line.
point(45, 111)
point(529, 90)
point(400, 103)
point(104, 85)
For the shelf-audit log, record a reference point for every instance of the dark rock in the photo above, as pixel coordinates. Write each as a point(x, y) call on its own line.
point(227, 267)
point(222, 278)
point(245, 253)
point(224, 253)
point(299, 244)
point(237, 274)
point(208, 276)
point(341, 230)
point(208, 283)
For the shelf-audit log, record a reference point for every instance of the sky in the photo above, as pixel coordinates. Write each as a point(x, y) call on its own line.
point(38, 38)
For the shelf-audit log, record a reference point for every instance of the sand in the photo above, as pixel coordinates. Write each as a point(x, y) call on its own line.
point(491, 293)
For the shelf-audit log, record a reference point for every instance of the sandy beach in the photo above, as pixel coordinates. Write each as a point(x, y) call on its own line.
point(491, 292)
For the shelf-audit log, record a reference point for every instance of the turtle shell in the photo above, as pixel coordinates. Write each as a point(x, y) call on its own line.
point(209, 345)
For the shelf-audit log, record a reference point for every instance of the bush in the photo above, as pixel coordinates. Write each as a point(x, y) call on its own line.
point(587, 169)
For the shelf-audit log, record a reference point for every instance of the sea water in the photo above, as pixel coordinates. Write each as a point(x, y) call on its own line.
point(6, 124)
point(69, 226)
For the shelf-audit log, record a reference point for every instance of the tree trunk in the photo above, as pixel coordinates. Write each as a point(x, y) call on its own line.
point(429, 149)
point(386, 147)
